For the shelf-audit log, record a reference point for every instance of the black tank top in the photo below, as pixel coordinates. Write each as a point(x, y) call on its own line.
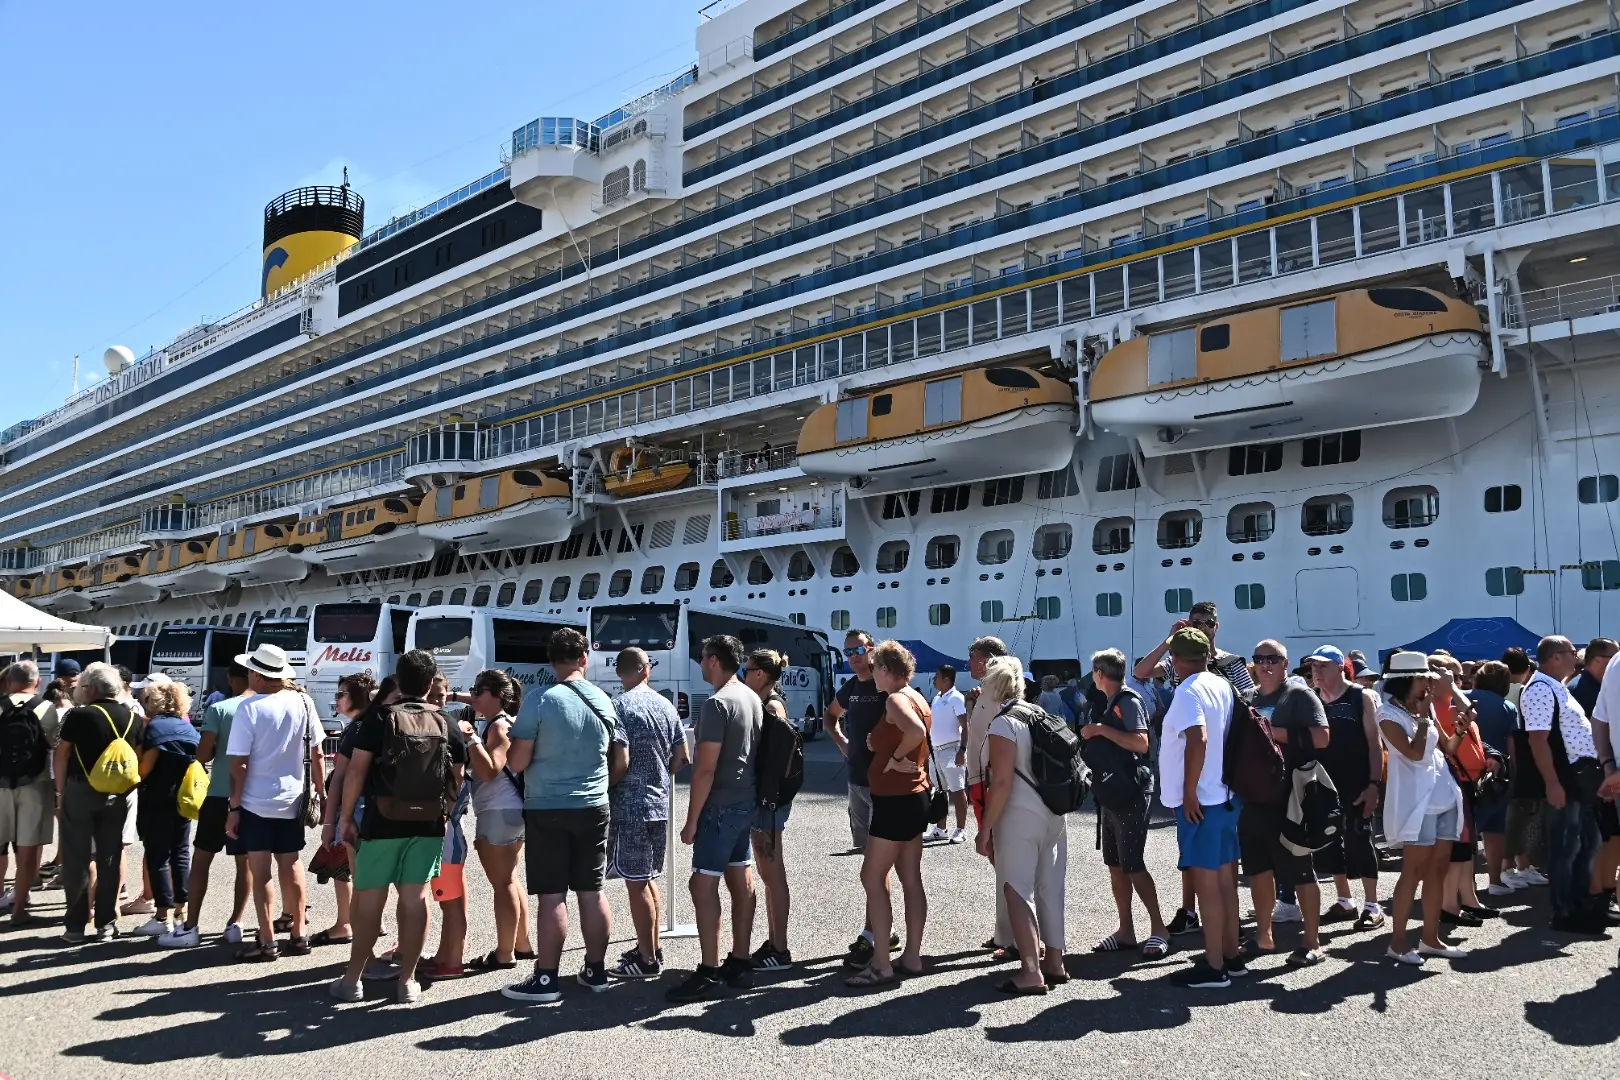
point(1346, 755)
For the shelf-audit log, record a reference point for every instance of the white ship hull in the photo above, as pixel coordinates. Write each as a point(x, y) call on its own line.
point(539, 521)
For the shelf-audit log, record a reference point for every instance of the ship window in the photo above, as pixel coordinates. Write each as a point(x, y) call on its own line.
point(619, 583)
point(458, 596)
point(531, 591)
point(489, 493)
point(1178, 601)
point(1181, 529)
point(1172, 357)
point(1249, 597)
point(1215, 338)
point(838, 619)
point(942, 552)
point(1012, 379)
point(942, 402)
point(1250, 460)
point(1600, 576)
point(851, 422)
point(1251, 523)
point(1406, 300)
point(697, 529)
point(1002, 492)
point(885, 618)
point(901, 505)
point(1310, 330)
point(1338, 449)
point(1117, 472)
point(507, 594)
point(560, 587)
point(526, 478)
point(800, 568)
point(995, 547)
point(1053, 541)
point(1503, 500)
point(948, 500)
point(1110, 605)
point(435, 598)
point(759, 571)
point(990, 611)
point(720, 576)
point(481, 596)
point(590, 585)
point(569, 548)
point(1057, 484)
point(1326, 515)
point(844, 562)
point(652, 580)
point(939, 614)
point(882, 404)
point(1411, 507)
point(1505, 581)
point(1112, 536)
point(892, 556)
point(663, 534)
point(686, 577)
point(1048, 607)
point(1604, 487)
point(1408, 588)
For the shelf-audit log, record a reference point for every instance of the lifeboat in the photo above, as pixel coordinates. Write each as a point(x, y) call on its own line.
point(260, 555)
point(184, 568)
point(640, 470)
point(1358, 359)
point(367, 535)
point(119, 580)
point(507, 509)
point(975, 425)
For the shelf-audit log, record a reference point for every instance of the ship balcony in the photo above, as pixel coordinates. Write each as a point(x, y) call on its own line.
point(736, 469)
point(171, 521)
point(555, 156)
point(781, 515)
point(448, 450)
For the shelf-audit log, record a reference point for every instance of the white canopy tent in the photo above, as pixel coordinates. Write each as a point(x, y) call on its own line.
point(24, 628)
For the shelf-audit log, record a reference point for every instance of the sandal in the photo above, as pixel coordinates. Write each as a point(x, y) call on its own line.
point(1300, 958)
point(324, 937)
point(1111, 943)
point(283, 924)
point(1155, 948)
point(298, 946)
point(523, 954)
point(491, 961)
point(430, 970)
point(869, 977)
point(1004, 954)
point(989, 945)
point(1055, 978)
point(257, 953)
point(1009, 987)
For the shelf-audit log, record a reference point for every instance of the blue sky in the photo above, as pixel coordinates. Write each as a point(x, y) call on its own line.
point(140, 142)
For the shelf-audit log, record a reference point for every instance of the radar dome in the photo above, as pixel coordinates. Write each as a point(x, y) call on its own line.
point(117, 359)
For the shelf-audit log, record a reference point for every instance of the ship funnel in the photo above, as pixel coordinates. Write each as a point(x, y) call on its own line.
point(307, 227)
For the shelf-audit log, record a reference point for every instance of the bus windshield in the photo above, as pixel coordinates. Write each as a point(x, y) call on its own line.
point(444, 636)
point(179, 645)
point(133, 653)
point(646, 626)
point(346, 624)
point(289, 637)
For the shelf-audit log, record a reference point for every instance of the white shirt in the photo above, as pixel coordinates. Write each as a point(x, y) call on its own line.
point(1608, 702)
point(1536, 709)
point(271, 731)
point(1203, 700)
point(945, 715)
point(1415, 789)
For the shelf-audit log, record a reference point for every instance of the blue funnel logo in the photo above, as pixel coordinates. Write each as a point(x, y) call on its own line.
point(275, 260)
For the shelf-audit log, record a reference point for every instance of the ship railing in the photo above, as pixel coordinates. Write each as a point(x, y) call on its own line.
point(564, 131)
point(792, 521)
point(448, 442)
point(461, 194)
point(736, 463)
point(1560, 303)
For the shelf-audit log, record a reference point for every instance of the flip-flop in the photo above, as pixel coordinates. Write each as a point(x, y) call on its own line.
point(522, 955)
point(1055, 978)
point(1155, 948)
point(324, 937)
point(1111, 943)
point(490, 962)
point(1005, 954)
point(1300, 958)
point(868, 978)
point(1007, 986)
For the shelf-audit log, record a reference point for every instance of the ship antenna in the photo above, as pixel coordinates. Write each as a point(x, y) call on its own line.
point(345, 179)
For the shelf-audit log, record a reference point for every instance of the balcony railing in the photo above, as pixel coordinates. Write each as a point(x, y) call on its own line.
point(557, 131)
point(736, 463)
point(793, 521)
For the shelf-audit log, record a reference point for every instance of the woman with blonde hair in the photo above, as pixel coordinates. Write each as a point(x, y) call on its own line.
point(1027, 842)
point(900, 813)
point(497, 803)
point(168, 746)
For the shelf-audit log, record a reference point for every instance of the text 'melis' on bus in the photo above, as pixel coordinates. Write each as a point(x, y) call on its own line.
point(346, 639)
point(467, 640)
point(672, 636)
point(199, 656)
point(291, 636)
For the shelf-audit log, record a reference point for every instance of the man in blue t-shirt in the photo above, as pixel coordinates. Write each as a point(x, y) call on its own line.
point(570, 748)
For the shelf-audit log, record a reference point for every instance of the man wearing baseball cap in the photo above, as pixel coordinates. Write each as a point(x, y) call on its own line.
point(1354, 759)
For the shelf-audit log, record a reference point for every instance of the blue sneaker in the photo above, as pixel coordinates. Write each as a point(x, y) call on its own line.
point(542, 986)
point(632, 966)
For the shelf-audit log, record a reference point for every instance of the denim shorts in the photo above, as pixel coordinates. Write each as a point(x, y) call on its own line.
point(1212, 843)
point(722, 839)
point(772, 820)
point(1438, 827)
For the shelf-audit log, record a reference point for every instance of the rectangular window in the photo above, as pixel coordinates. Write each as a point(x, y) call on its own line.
point(851, 422)
point(1178, 601)
point(1600, 576)
point(1604, 487)
point(990, 611)
point(1172, 357)
point(1310, 330)
point(1504, 581)
point(942, 402)
point(948, 500)
point(1331, 449)
point(901, 505)
point(1117, 472)
point(1252, 460)
point(839, 620)
point(1048, 607)
point(1109, 605)
point(1004, 492)
point(1410, 588)
point(1503, 500)
point(1057, 484)
point(885, 618)
point(939, 614)
point(1249, 597)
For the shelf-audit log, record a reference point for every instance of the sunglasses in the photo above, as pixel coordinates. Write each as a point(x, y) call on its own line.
point(1268, 659)
point(859, 650)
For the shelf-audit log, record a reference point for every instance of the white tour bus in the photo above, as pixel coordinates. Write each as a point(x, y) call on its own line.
point(291, 636)
point(198, 655)
point(673, 635)
point(467, 640)
point(348, 638)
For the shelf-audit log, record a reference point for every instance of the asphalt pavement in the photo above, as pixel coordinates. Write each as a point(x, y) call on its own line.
point(1526, 1003)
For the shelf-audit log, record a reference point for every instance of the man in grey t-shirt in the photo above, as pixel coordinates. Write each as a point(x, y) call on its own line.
point(718, 819)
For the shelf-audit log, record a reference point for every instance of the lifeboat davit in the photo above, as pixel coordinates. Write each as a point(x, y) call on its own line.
point(1359, 359)
point(640, 470)
point(976, 425)
point(507, 509)
point(258, 555)
point(368, 535)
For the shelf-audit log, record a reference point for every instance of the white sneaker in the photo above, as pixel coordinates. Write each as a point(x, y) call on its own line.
point(1532, 876)
point(7, 898)
point(1285, 913)
point(1503, 889)
point(181, 938)
point(1444, 953)
point(958, 836)
point(1514, 880)
point(233, 934)
point(152, 928)
point(935, 833)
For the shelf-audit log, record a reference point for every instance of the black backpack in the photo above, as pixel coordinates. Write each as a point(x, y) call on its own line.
point(1314, 818)
point(23, 749)
point(1058, 772)
point(778, 761)
point(1118, 777)
point(1252, 764)
point(415, 781)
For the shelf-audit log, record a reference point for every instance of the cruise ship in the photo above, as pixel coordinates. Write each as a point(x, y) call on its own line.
point(935, 319)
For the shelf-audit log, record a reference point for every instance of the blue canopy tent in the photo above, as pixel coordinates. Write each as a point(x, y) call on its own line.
point(1474, 639)
point(929, 658)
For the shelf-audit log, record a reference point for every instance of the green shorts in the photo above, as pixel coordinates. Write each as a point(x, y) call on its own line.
point(411, 860)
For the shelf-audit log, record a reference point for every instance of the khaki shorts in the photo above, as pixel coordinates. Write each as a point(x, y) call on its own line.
point(28, 814)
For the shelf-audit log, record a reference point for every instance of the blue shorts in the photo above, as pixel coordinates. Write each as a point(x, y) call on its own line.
point(1437, 827)
point(279, 836)
point(722, 839)
point(1212, 843)
point(767, 821)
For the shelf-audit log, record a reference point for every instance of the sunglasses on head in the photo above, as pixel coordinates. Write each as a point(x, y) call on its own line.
point(1268, 659)
point(859, 650)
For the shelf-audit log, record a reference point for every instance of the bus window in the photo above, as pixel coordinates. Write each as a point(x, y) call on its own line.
point(286, 636)
point(179, 645)
point(400, 620)
point(521, 641)
point(444, 636)
point(647, 626)
point(349, 624)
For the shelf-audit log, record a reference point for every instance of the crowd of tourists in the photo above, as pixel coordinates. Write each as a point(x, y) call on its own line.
point(1295, 772)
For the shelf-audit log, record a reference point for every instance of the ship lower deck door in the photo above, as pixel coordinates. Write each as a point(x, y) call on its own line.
point(1328, 599)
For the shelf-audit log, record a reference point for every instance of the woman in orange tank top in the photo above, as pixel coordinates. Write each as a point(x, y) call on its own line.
point(900, 813)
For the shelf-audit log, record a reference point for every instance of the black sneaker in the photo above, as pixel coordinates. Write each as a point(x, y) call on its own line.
point(860, 954)
point(632, 966)
point(701, 985)
point(1236, 966)
point(1200, 976)
point(634, 953)
point(541, 986)
point(594, 976)
point(1338, 913)
point(737, 973)
point(1185, 922)
point(769, 958)
point(1369, 920)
